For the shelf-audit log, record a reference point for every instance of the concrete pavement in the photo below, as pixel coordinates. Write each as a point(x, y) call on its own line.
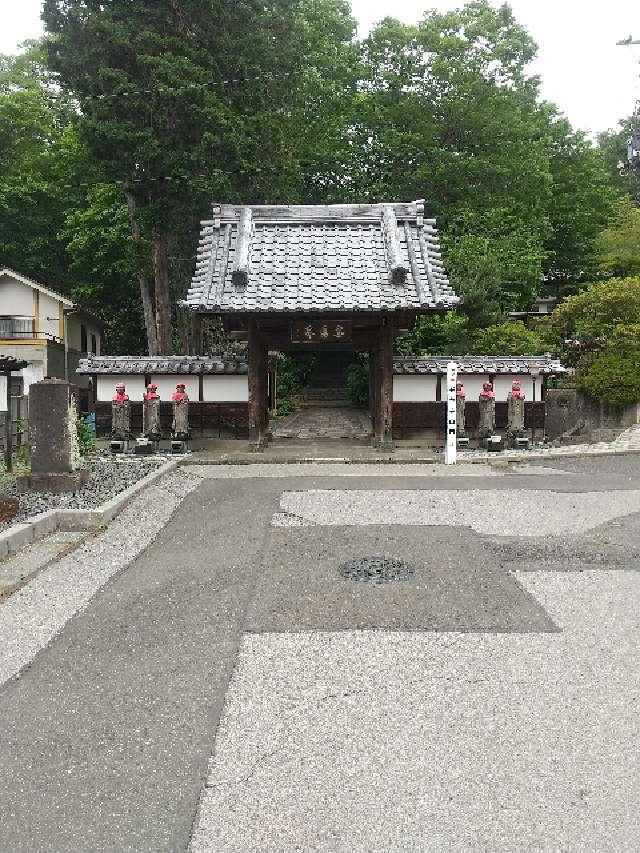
point(486, 703)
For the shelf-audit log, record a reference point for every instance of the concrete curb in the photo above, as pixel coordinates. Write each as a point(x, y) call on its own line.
point(498, 460)
point(19, 535)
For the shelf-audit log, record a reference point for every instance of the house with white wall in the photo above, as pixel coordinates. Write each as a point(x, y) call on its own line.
point(44, 328)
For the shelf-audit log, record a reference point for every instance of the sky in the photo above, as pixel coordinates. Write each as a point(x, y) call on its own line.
point(592, 80)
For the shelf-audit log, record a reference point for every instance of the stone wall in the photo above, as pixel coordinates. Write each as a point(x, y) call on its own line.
point(572, 413)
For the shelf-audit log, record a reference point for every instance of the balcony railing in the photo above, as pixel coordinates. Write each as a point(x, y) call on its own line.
point(16, 328)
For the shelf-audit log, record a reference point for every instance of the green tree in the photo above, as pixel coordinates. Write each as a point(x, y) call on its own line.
point(41, 164)
point(600, 330)
point(613, 148)
point(509, 338)
point(185, 101)
point(620, 243)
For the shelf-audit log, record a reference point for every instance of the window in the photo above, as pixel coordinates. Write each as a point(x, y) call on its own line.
point(94, 345)
point(83, 337)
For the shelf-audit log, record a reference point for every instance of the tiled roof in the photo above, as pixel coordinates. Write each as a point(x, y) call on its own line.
point(478, 364)
point(158, 365)
point(327, 258)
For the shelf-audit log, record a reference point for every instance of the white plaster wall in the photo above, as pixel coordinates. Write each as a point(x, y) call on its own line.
point(226, 389)
point(107, 387)
point(16, 299)
point(49, 307)
point(502, 386)
point(167, 386)
point(472, 384)
point(415, 389)
point(33, 372)
point(74, 323)
point(3, 393)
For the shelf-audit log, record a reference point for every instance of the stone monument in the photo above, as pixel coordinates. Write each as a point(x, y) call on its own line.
point(56, 465)
point(461, 419)
point(120, 420)
point(487, 426)
point(149, 441)
point(180, 432)
point(515, 417)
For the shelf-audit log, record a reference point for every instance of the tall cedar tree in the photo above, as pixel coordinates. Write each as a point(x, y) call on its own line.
point(183, 101)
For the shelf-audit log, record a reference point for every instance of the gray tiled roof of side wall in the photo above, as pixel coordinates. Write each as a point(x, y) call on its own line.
point(158, 365)
point(477, 364)
point(325, 258)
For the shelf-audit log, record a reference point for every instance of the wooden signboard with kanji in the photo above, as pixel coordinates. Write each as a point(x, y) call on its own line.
point(320, 332)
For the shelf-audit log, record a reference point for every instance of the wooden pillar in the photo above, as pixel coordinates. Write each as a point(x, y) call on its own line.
point(257, 390)
point(8, 455)
point(385, 384)
point(264, 380)
point(372, 390)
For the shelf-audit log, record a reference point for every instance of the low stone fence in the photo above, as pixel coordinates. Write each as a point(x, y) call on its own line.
point(572, 414)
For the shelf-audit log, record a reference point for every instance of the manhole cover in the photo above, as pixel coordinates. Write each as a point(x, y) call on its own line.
point(376, 569)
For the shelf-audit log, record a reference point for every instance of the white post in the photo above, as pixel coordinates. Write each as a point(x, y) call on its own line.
point(452, 415)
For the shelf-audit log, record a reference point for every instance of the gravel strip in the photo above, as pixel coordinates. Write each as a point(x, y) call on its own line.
point(496, 512)
point(36, 613)
point(110, 475)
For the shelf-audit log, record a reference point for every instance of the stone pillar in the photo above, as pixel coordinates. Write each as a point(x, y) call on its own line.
point(55, 457)
point(257, 388)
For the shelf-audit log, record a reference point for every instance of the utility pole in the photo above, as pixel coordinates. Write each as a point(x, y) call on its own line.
point(633, 147)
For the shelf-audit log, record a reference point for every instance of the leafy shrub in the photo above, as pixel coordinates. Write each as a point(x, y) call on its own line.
point(286, 406)
point(613, 377)
point(357, 383)
point(86, 437)
point(509, 338)
point(293, 374)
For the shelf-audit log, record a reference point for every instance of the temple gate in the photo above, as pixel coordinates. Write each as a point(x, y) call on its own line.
point(331, 277)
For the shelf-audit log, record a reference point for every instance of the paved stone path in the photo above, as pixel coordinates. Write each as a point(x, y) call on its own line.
point(313, 422)
point(201, 678)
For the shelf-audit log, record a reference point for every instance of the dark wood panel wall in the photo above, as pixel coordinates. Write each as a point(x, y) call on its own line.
point(412, 418)
point(214, 419)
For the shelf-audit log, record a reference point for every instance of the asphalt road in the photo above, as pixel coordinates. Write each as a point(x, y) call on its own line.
point(483, 702)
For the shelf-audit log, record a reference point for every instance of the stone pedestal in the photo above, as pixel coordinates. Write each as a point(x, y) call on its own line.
point(55, 455)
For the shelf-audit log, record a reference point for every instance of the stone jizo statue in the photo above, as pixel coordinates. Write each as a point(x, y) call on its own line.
point(461, 422)
point(487, 402)
point(120, 414)
point(151, 414)
point(515, 411)
point(180, 425)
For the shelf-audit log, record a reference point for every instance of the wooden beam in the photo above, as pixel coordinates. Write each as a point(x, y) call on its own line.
point(257, 396)
point(240, 275)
